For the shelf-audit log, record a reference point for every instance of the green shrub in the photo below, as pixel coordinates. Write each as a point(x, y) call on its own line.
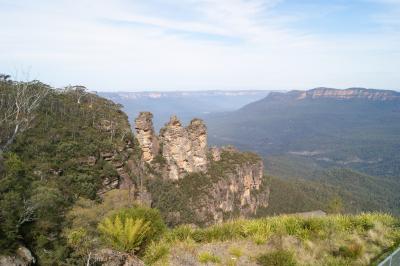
point(207, 257)
point(277, 258)
point(124, 235)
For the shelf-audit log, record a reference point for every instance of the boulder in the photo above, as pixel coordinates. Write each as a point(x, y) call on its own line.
point(22, 257)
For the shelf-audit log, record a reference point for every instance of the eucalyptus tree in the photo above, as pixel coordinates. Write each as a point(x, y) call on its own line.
point(18, 104)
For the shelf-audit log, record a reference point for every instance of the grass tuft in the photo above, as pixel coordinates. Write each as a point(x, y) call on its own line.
point(277, 258)
point(207, 257)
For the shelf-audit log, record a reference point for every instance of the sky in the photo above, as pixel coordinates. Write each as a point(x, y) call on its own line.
point(142, 45)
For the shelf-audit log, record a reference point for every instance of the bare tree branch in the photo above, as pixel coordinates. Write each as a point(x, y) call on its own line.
point(27, 214)
point(18, 103)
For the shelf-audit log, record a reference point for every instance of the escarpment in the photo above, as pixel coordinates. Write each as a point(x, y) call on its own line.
point(337, 94)
point(192, 183)
point(351, 93)
point(237, 189)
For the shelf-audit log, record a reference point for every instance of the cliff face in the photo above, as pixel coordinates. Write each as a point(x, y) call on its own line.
point(351, 93)
point(329, 93)
point(212, 184)
point(120, 158)
point(240, 188)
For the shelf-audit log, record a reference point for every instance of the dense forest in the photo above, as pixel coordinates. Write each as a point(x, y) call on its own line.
point(45, 169)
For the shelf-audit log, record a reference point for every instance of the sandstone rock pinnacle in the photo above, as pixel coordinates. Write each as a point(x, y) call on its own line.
point(184, 149)
point(146, 137)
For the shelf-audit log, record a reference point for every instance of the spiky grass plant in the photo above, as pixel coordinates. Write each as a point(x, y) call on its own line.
point(124, 234)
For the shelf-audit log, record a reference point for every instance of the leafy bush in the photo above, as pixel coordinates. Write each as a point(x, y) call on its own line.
point(124, 235)
point(207, 257)
point(277, 258)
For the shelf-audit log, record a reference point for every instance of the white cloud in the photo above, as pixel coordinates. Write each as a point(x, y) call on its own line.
point(101, 45)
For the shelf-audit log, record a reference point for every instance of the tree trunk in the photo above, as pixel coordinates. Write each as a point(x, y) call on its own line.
point(88, 260)
point(10, 140)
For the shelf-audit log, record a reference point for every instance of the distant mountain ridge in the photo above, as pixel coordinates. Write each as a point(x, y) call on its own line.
point(330, 93)
point(319, 135)
point(185, 104)
point(356, 127)
point(161, 94)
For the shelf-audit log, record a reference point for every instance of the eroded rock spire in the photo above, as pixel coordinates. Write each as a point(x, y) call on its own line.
point(146, 136)
point(184, 149)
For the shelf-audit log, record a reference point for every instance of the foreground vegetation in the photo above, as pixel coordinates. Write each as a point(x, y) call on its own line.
point(280, 240)
point(45, 167)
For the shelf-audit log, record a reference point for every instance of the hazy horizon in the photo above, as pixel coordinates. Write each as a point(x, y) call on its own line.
point(233, 90)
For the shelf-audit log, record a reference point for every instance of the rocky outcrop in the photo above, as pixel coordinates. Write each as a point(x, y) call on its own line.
point(146, 137)
point(184, 149)
point(121, 162)
point(215, 153)
point(197, 133)
point(22, 257)
point(109, 257)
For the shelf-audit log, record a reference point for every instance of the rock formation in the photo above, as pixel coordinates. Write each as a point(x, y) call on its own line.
point(145, 135)
point(197, 132)
point(121, 159)
point(109, 257)
point(184, 149)
point(227, 183)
